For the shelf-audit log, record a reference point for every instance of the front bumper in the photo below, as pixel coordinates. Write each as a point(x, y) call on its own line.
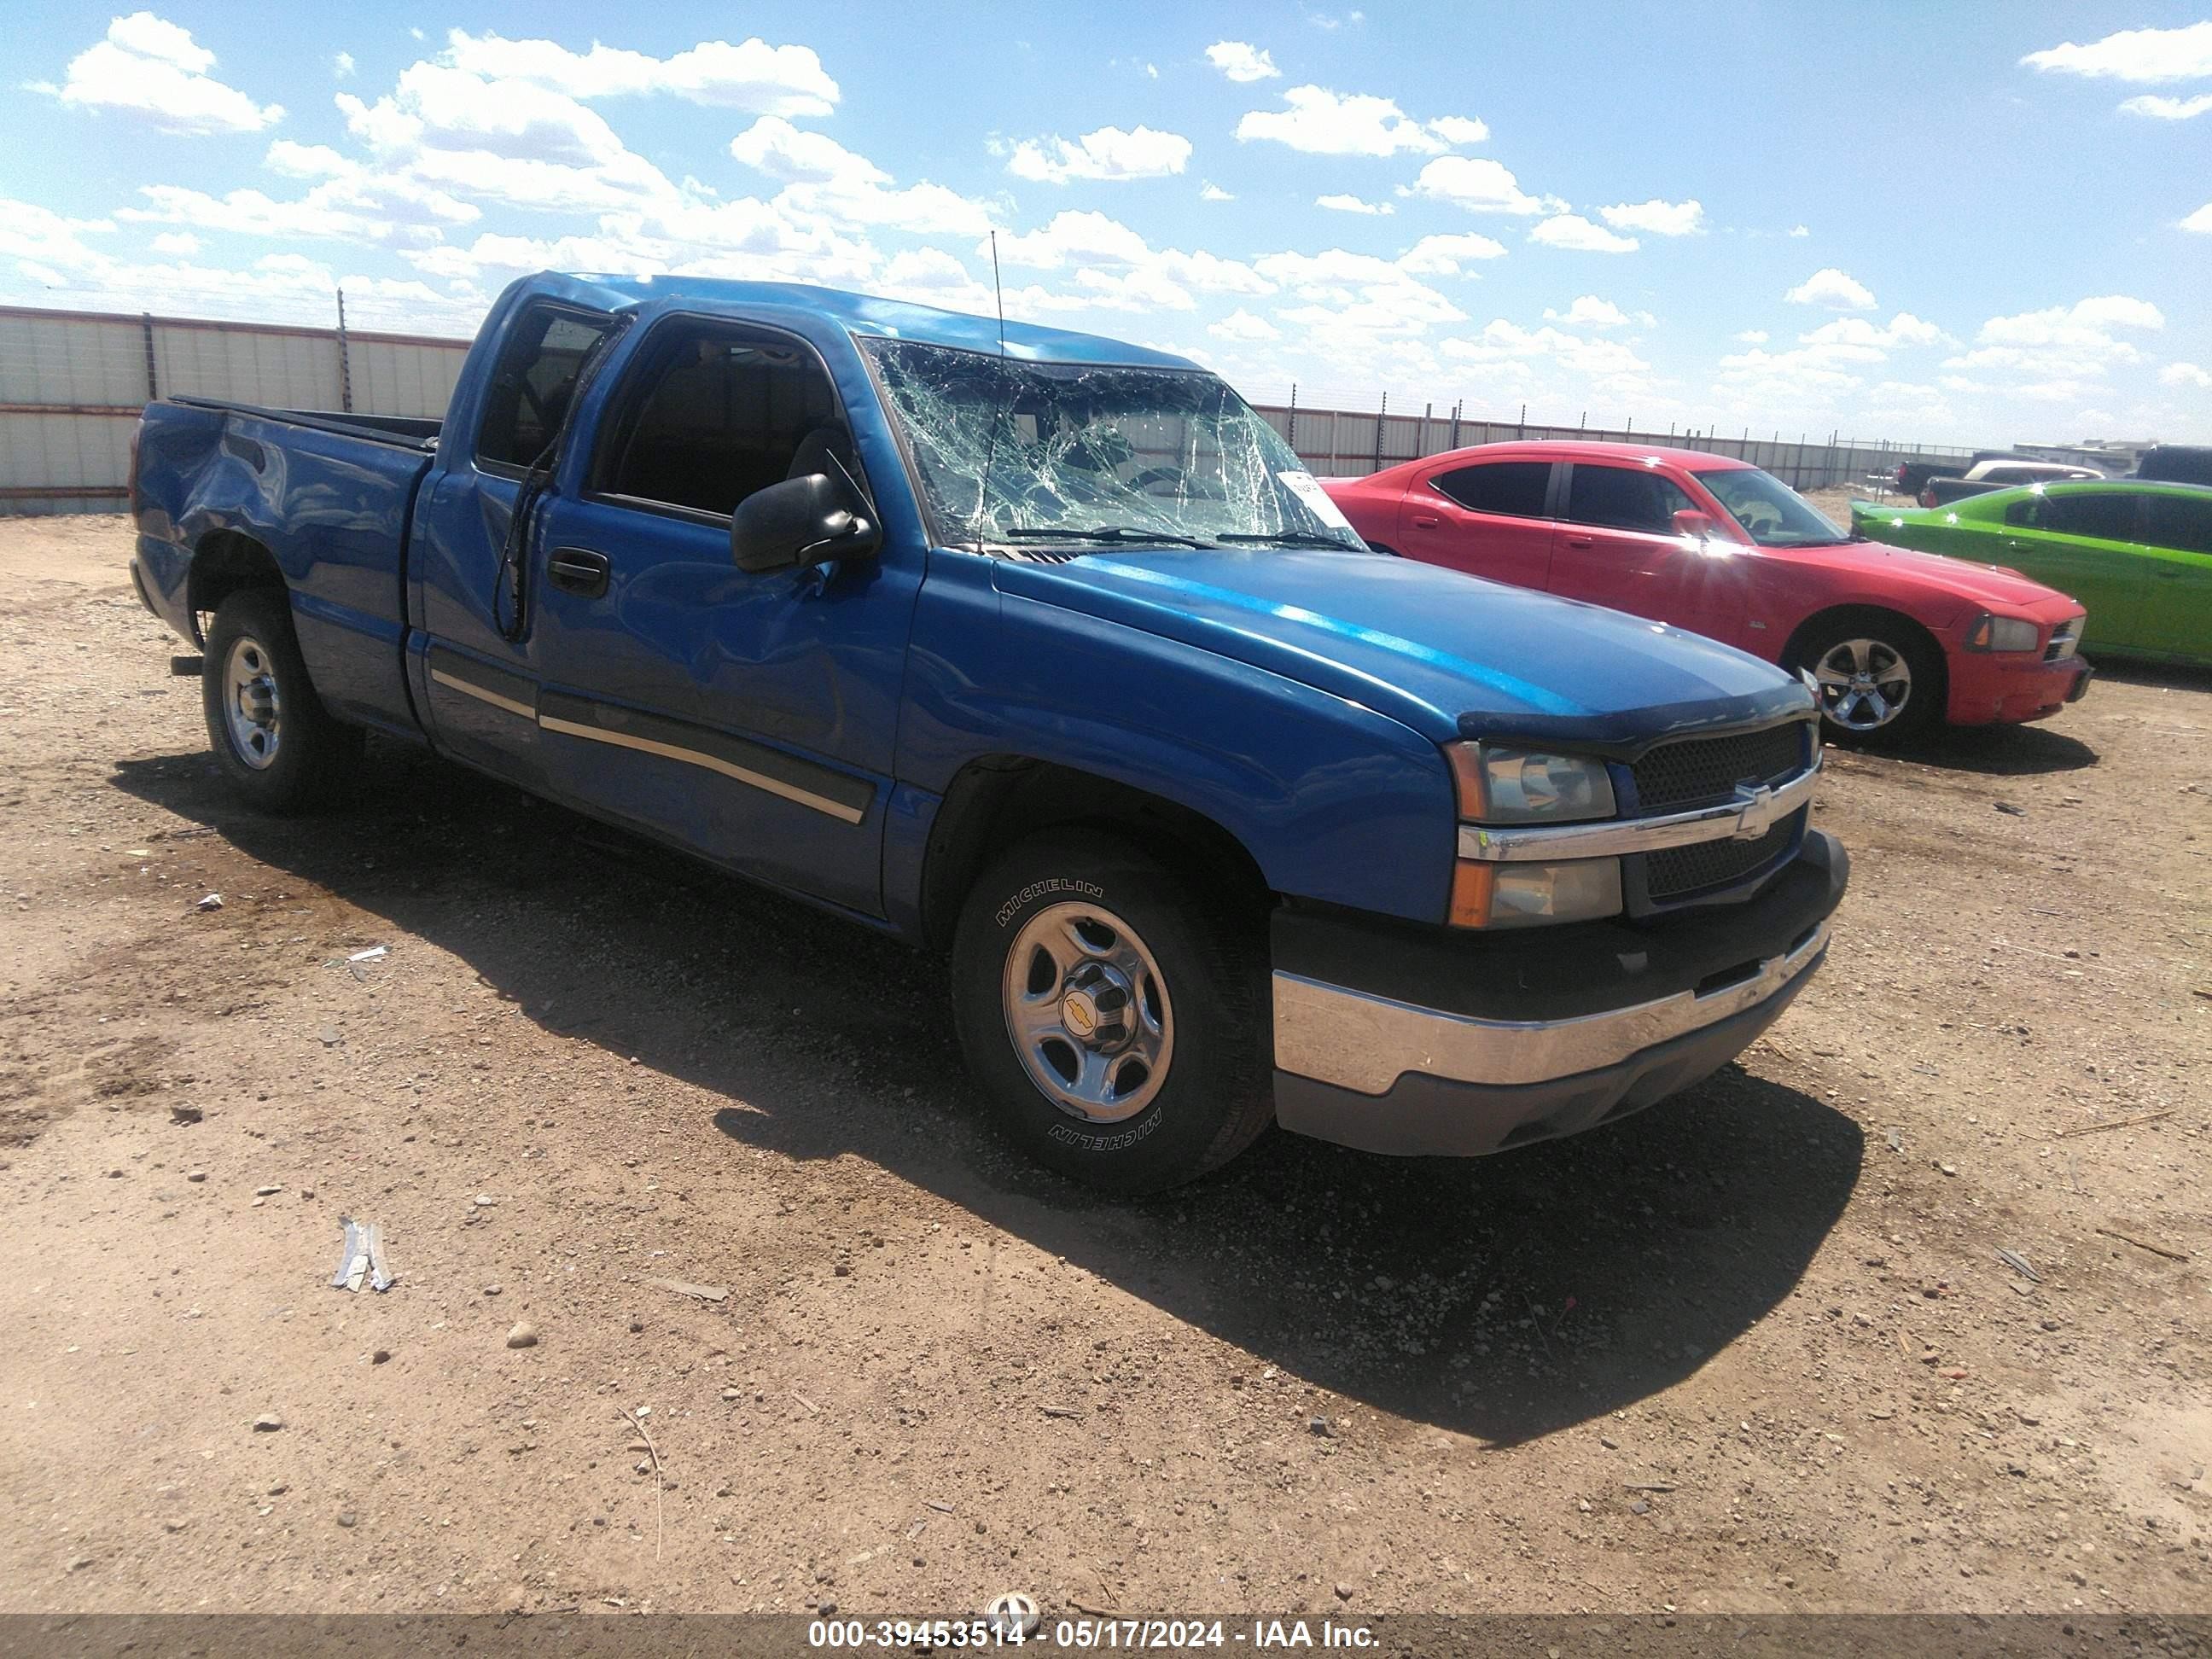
point(1399, 1041)
point(1989, 687)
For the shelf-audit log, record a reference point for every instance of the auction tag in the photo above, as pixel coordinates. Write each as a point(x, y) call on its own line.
point(1307, 487)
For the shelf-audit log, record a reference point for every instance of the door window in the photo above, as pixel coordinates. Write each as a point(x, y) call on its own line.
point(1514, 490)
point(1623, 498)
point(717, 414)
point(534, 382)
point(2182, 522)
point(2107, 515)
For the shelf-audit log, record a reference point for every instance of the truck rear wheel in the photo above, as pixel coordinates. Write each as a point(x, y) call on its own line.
point(1115, 1014)
point(273, 739)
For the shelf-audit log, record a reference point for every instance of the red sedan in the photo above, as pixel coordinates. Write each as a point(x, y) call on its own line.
point(1894, 638)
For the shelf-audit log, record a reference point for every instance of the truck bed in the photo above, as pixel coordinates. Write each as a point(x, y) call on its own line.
point(327, 497)
point(410, 431)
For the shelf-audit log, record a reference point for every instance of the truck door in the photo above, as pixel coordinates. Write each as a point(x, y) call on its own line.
point(752, 716)
point(478, 684)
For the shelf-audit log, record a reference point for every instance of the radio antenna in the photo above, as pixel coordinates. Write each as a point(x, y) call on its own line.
point(997, 397)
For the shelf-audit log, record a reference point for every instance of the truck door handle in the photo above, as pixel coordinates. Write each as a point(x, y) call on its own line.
point(1424, 521)
point(579, 570)
point(1579, 541)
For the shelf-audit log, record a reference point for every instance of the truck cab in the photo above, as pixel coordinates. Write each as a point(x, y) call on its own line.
point(1043, 652)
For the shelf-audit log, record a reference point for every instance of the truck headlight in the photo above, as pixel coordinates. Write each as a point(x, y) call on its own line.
point(1501, 785)
point(1531, 894)
point(1993, 633)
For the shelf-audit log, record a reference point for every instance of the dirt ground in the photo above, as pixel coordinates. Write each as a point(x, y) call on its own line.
point(1755, 1349)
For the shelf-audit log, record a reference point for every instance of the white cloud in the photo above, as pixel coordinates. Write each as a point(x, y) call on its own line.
point(181, 243)
point(1480, 186)
point(2168, 109)
point(2183, 374)
point(1340, 203)
point(1241, 61)
point(1855, 337)
point(1459, 129)
point(1210, 192)
point(2138, 55)
point(1442, 255)
point(1800, 230)
point(1109, 153)
point(1075, 239)
point(1322, 123)
point(1355, 296)
point(150, 68)
point(752, 75)
point(343, 65)
point(772, 145)
point(1831, 288)
point(1572, 231)
point(2200, 222)
point(1511, 353)
point(1242, 325)
point(1116, 268)
point(1656, 217)
point(27, 232)
point(1590, 312)
point(1752, 336)
point(2071, 344)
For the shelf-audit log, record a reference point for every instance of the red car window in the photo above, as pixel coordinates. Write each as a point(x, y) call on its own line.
point(1623, 498)
point(1513, 488)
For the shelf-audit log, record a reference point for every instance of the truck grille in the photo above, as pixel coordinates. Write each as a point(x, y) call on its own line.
point(1696, 771)
point(1679, 871)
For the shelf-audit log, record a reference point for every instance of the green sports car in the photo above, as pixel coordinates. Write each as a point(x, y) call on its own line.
point(2137, 555)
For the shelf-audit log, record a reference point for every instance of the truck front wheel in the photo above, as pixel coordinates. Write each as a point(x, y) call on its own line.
point(1115, 1014)
point(273, 740)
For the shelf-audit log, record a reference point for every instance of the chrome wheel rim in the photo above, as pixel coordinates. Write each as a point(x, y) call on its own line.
point(250, 705)
point(1088, 1013)
point(1864, 683)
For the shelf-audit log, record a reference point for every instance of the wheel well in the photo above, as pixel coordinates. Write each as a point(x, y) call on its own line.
point(1870, 616)
point(996, 801)
point(224, 563)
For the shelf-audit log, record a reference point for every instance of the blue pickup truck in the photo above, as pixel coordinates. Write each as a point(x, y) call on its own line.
point(1043, 652)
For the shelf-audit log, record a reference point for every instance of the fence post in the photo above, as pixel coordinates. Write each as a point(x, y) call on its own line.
point(1454, 439)
point(1292, 436)
point(152, 385)
point(1381, 417)
point(345, 361)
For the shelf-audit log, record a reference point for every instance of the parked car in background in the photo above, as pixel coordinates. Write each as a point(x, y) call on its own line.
point(1915, 477)
point(1985, 476)
point(1895, 639)
point(1042, 653)
point(2177, 463)
point(2138, 554)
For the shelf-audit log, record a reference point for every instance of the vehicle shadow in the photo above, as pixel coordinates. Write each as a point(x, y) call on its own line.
point(1503, 1297)
point(2164, 676)
point(2007, 751)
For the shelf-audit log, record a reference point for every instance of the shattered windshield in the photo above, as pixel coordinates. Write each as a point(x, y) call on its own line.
point(1084, 452)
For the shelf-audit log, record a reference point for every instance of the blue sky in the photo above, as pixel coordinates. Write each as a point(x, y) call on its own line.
point(1935, 223)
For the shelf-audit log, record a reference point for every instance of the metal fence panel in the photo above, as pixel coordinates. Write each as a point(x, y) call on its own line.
point(282, 371)
point(71, 360)
point(404, 377)
point(69, 452)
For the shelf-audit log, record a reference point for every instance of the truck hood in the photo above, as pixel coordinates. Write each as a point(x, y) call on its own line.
point(1447, 654)
point(1992, 586)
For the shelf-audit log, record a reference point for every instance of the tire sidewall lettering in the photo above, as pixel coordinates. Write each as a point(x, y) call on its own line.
point(1014, 906)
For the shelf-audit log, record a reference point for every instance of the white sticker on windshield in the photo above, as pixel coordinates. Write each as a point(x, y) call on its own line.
point(1307, 487)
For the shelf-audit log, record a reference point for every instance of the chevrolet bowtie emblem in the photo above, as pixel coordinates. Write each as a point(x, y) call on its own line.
point(1754, 812)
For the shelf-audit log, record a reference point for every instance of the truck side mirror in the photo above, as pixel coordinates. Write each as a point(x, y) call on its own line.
point(1694, 526)
point(802, 521)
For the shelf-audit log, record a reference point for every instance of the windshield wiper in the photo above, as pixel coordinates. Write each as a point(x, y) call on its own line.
point(1289, 537)
point(1104, 532)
